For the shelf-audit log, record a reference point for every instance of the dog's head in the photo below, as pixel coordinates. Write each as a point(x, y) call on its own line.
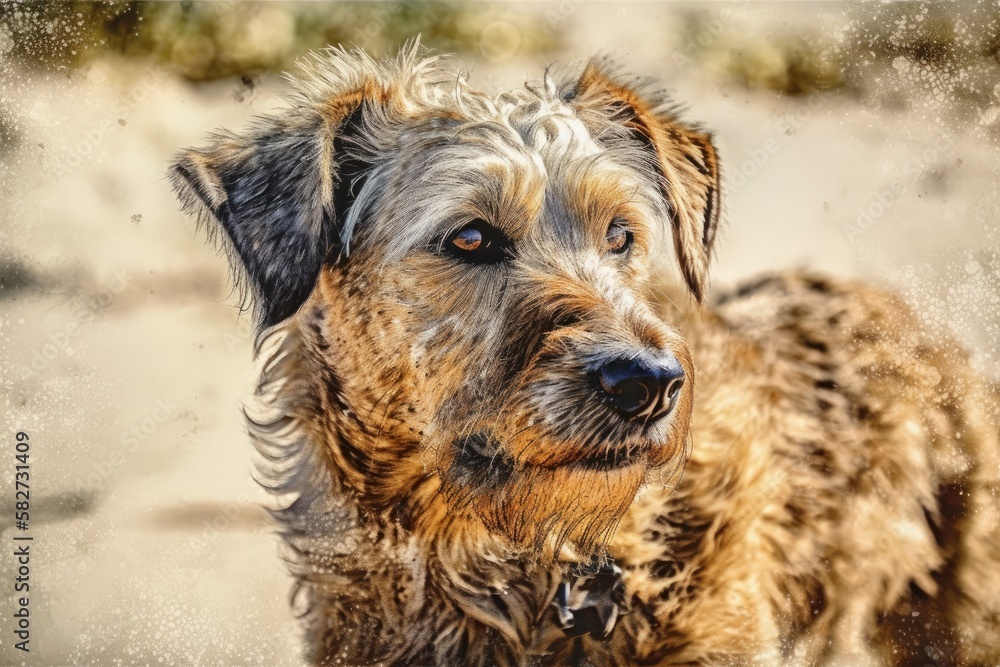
point(472, 276)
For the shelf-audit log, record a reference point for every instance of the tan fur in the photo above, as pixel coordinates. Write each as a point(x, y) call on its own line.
point(441, 456)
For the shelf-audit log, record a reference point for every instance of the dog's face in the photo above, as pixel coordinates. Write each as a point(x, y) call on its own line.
point(471, 277)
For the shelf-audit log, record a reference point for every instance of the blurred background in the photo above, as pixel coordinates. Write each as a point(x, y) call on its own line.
point(856, 139)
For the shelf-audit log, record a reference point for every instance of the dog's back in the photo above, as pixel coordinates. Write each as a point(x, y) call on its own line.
point(840, 505)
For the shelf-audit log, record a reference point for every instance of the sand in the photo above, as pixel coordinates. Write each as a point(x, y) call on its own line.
point(124, 359)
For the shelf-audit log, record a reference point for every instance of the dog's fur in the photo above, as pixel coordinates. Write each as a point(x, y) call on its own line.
point(440, 451)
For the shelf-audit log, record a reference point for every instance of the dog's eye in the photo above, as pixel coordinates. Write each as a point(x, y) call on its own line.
point(468, 239)
point(479, 243)
point(618, 238)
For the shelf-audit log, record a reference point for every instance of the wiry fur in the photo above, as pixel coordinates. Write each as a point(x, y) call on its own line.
point(429, 427)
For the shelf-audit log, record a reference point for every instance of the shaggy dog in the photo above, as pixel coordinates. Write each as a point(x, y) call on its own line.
point(497, 439)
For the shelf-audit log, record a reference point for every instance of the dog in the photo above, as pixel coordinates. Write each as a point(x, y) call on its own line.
point(497, 435)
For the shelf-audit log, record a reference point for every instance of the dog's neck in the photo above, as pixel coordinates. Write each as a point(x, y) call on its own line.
point(346, 557)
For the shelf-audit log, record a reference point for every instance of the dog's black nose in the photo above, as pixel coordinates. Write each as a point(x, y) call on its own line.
point(641, 388)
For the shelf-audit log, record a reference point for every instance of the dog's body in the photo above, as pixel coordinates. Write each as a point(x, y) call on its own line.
point(480, 405)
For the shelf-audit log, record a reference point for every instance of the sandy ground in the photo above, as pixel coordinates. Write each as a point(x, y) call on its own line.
point(122, 357)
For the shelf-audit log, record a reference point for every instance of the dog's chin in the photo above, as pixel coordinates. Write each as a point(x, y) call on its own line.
point(544, 509)
point(577, 505)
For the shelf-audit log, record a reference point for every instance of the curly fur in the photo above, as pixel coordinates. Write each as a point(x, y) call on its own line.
point(437, 450)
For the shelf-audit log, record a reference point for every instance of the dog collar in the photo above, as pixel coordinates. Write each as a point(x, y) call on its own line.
point(588, 600)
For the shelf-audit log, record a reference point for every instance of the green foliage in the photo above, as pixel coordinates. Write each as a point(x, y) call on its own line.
point(207, 40)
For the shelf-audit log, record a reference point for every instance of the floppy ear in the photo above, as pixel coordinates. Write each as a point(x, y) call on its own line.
point(684, 156)
point(270, 192)
point(279, 192)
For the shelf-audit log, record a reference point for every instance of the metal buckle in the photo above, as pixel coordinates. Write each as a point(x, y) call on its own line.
point(588, 600)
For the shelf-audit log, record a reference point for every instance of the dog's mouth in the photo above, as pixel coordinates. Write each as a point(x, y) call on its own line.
point(611, 459)
point(480, 460)
point(578, 498)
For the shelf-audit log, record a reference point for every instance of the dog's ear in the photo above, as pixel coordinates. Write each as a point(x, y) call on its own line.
point(280, 192)
point(270, 192)
point(685, 158)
